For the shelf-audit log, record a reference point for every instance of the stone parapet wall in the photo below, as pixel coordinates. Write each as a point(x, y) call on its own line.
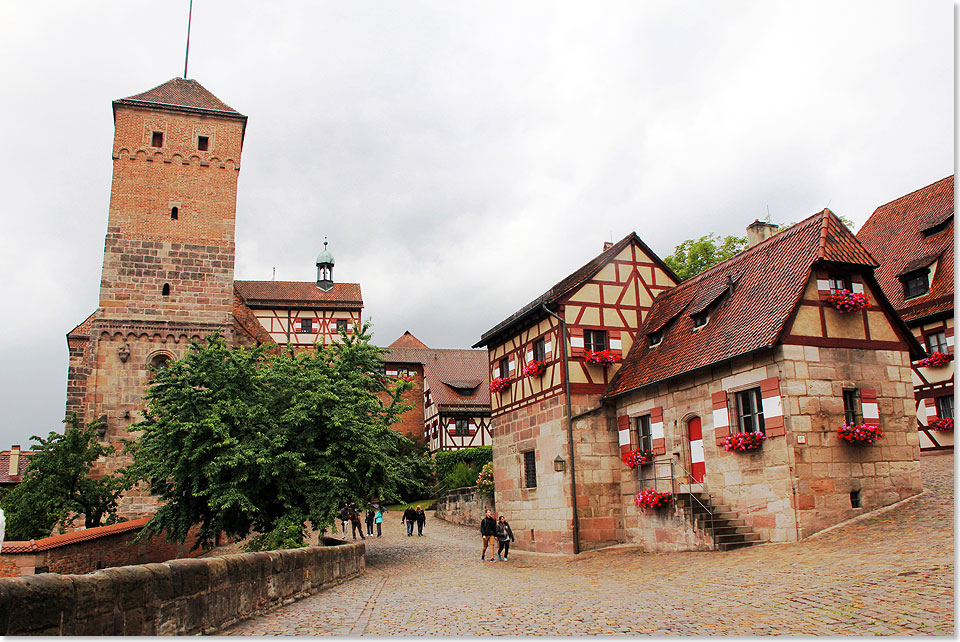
point(182, 597)
point(463, 506)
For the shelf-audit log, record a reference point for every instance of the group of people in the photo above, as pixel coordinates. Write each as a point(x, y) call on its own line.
point(350, 514)
point(492, 528)
point(414, 516)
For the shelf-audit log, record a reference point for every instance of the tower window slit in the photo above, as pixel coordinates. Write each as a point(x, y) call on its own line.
point(166, 289)
point(157, 139)
point(174, 213)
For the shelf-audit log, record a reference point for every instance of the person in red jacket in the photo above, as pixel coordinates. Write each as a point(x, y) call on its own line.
point(488, 531)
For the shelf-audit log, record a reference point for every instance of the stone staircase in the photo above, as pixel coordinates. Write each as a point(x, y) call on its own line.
point(728, 529)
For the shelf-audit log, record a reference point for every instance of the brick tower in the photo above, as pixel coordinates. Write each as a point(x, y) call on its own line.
point(169, 252)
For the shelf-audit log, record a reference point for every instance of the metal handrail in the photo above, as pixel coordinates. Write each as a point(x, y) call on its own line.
point(708, 509)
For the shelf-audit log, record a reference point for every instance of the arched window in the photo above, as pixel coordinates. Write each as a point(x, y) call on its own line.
point(159, 361)
point(166, 289)
point(174, 213)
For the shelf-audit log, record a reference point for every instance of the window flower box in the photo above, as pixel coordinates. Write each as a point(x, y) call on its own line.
point(860, 435)
point(744, 442)
point(935, 360)
point(500, 383)
point(600, 357)
point(847, 301)
point(942, 424)
point(655, 499)
point(637, 457)
point(535, 368)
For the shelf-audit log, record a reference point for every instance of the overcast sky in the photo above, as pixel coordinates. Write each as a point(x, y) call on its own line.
point(461, 156)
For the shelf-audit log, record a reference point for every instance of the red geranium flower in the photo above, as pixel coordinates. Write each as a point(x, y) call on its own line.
point(861, 435)
point(847, 301)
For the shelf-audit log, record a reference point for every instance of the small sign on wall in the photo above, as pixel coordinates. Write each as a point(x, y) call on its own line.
point(801, 439)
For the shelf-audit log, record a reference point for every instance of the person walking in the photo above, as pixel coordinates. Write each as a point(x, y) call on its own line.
point(344, 519)
point(488, 531)
point(378, 518)
point(409, 517)
point(369, 519)
point(355, 522)
point(504, 536)
point(421, 520)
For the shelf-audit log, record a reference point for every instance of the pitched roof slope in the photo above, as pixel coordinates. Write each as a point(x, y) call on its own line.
point(299, 293)
point(5, 476)
point(245, 323)
point(575, 279)
point(754, 293)
point(182, 93)
point(407, 340)
point(894, 234)
point(75, 537)
point(456, 377)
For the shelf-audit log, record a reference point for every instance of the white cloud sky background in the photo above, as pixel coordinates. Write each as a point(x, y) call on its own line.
point(461, 157)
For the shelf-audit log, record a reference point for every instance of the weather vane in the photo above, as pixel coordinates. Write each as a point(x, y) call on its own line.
point(186, 58)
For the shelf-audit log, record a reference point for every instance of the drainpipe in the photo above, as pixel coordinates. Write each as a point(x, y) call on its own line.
point(573, 459)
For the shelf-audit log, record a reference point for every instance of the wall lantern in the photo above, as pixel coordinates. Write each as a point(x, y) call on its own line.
point(559, 464)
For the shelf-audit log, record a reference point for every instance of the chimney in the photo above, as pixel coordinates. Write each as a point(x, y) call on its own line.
point(14, 460)
point(607, 245)
point(759, 231)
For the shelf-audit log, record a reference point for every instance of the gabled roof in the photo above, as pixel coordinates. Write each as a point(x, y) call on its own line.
point(305, 294)
point(894, 234)
point(82, 331)
point(449, 372)
point(246, 323)
point(181, 94)
point(754, 293)
point(75, 537)
point(407, 340)
point(5, 476)
point(574, 280)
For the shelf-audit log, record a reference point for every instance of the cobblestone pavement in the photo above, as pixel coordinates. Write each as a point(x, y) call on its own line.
point(888, 574)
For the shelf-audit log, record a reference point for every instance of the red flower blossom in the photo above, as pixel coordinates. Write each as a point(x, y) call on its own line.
point(637, 457)
point(861, 435)
point(500, 383)
point(650, 498)
point(535, 368)
point(942, 424)
point(600, 357)
point(742, 442)
point(847, 301)
point(935, 360)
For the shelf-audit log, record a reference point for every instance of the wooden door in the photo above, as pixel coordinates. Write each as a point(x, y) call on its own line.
point(697, 465)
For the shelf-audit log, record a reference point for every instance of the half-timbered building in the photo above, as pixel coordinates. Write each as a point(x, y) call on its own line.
point(751, 345)
point(449, 393)
point(912, 239)
point(539, 362)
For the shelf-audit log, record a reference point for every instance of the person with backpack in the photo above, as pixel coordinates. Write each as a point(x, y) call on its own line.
point(369, 519)
point(421, 520)
point(355, 522)
point(409, 517)
point(344, 519)
point(488, 531)
point(378, 518)
point(504, 536)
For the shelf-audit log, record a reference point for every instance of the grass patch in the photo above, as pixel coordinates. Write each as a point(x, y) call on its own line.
point(425, 504)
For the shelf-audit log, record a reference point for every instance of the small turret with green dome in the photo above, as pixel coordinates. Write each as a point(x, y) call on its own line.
point(325, 268)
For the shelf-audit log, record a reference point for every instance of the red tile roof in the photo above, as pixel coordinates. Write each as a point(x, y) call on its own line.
point(302, 294)
point(755, 293)
point(72, 538)
point(894, 234)
point(407, 340)
point(182, 93)
point(448, 372)
point(5, 476)
point(574, 280)
point(245, 322)
point(82, 331)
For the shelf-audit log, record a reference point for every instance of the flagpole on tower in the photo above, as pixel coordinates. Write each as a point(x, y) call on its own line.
point(186, 58)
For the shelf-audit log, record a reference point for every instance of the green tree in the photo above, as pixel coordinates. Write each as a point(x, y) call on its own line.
point(692, 257)
point(57, 485)
point(243, 441)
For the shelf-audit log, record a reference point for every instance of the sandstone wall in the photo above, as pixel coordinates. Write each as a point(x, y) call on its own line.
point(182, 597)
point(464, 506)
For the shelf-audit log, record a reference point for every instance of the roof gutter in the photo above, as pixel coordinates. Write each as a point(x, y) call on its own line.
point(573, 458)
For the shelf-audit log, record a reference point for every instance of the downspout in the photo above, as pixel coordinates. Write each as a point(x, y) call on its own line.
point(573, 459)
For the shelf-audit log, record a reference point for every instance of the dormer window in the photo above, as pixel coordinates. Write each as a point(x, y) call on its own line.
point(700, 319)
point(915, 284)
point(838, 282)
point(655, 338)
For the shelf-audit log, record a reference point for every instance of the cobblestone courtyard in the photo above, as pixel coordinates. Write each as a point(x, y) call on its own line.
point(889, 574)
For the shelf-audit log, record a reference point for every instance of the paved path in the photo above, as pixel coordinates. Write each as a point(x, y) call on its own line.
point(890, 574)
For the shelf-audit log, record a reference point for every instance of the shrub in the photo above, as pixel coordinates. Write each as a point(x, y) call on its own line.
point(485, 480)
point(476, 457)
point(462, 475)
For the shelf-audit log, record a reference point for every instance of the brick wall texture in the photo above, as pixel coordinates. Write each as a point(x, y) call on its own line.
point(464, 506)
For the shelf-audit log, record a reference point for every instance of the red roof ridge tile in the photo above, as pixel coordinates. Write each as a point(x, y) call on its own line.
point(65, 539)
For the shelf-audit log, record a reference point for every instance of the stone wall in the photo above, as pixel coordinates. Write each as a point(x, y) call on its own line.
point(182, 597)
point(463, 506)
